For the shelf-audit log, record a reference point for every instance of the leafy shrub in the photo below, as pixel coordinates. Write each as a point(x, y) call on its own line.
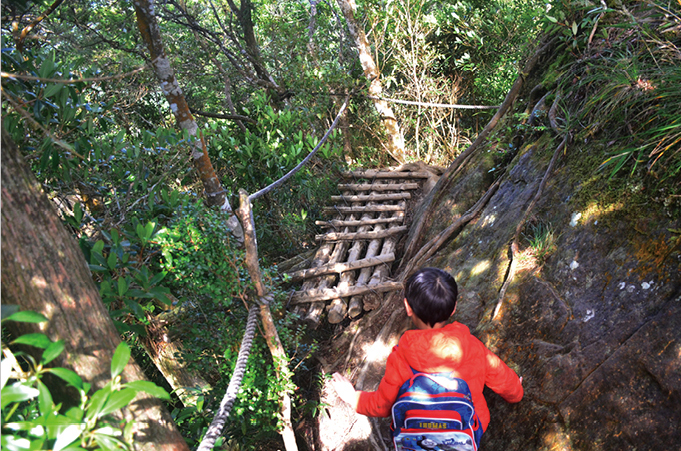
point(30, 418)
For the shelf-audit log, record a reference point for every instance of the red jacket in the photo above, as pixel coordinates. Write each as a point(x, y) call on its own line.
point(451, 348)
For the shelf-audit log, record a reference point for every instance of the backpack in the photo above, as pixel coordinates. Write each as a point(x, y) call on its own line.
point(434, 411)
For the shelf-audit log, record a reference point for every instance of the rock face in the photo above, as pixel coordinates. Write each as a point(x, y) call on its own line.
point(592, 323)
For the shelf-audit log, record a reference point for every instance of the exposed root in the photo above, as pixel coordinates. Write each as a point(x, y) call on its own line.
point(515, 246)
point(436, 243)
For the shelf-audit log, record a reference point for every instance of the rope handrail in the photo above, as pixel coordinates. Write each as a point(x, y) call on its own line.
point(218, 423)
point(290, 173)
point(436, 105)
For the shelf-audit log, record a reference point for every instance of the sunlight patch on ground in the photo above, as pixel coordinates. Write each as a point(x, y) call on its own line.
point(557, 441)
point(480, 267)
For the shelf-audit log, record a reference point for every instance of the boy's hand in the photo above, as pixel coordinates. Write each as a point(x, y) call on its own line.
point(345, 390)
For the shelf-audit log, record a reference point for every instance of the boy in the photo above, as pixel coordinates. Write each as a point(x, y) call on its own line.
point(430, 299)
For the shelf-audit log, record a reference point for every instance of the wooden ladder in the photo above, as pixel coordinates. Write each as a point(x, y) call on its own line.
point(350, 271)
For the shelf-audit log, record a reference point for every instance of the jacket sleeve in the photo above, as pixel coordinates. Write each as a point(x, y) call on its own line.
point(379, 403)
point(502, 379)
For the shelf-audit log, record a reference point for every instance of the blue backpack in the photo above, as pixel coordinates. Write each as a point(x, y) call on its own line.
point(434, 411)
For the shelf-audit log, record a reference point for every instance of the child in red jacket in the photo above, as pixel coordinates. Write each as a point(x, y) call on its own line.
point(430, 299)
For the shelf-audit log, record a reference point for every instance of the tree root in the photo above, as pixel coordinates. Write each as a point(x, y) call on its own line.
point(436, 243)
point(515, 245)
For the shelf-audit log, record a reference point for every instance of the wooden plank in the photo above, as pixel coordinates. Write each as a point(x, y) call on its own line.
point(368, 208)
point(333, 236)
point(373, 174)
point(337, 268)
point(338, 307)
point(337, 223)
point(324, 294)
point(372, 197)
point(375, 187)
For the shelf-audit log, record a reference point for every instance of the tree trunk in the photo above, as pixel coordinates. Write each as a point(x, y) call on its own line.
point(271, 335)
point(43, 270)
point(395, 145)
point(151, 33)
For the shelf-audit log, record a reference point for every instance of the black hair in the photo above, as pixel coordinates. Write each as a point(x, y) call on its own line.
point(431, 294)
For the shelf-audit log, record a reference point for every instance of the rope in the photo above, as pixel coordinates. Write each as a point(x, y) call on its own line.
point(215, 428)
point(437, 105)
point(279, 182)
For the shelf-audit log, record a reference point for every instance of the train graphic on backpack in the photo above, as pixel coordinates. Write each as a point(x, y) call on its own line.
point(434, 411)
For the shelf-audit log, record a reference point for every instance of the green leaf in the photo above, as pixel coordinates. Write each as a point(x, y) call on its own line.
point(18, 392)
point(136, 309)
point(118, 400)
point(122, 286)
point(552, 19)
point(26, 317)
point(97, 401)
point(149, 388)
point(67, 436)
point(52, 89)
point(574, 28)
point(78, 212)
point(111, 261)
point(38, 340)
point(75, 413)
point(120, 359)
point(98, 247)
point(67, 375)
point(52, 352)
point(45, 402)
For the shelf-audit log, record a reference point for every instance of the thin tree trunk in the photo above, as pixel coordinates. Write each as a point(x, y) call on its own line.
point(43, 270)
point(395, 144)
point(271, 336)
point(151, 33)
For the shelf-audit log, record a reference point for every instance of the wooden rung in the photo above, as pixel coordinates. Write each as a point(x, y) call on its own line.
point(372, 197)
point(337, 223)
point(326, 294)
point(373, 174)
point(338, 268)
point(361, 235)
point(364, 209)
point(377, 187)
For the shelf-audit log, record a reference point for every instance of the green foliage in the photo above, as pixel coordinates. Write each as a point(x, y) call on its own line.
point(268, 150)
point(202, 262)
point(32, 421)
point(625, 89)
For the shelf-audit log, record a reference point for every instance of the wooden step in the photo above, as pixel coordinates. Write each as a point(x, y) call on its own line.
point(377, 187)
point(325, 294)
point(364, 209)
point(338, 223)
point(338, 268)
point(361, 235)
point(373, 174)
point(372, 197)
